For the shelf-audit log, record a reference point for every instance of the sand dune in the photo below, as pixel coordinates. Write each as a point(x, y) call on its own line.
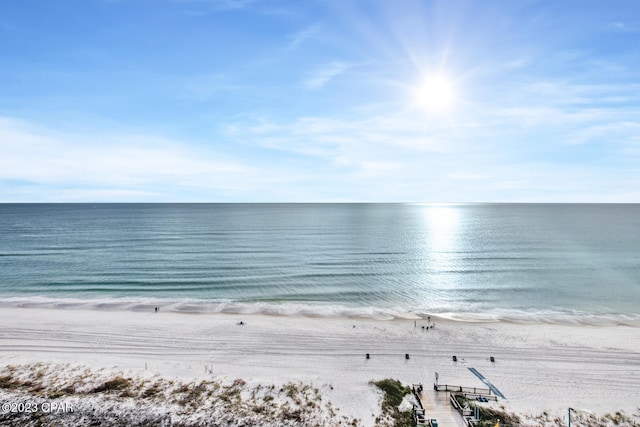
point(538, 367)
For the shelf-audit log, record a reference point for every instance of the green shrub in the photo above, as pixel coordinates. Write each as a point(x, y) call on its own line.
point(394, 393)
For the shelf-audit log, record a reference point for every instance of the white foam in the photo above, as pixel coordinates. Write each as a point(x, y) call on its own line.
point(195, 306)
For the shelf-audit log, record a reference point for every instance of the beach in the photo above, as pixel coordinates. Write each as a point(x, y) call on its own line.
point(538, 367)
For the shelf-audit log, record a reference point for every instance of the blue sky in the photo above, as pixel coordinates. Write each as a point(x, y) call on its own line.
point(303, 101)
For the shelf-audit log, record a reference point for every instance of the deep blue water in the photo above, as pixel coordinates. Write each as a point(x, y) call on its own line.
point(508, 259)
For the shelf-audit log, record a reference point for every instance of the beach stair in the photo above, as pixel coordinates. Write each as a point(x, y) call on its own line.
point(418, 411)
point(469, 416)
point(433, 409)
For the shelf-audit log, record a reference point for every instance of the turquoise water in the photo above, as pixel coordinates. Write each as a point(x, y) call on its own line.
point(507, 261)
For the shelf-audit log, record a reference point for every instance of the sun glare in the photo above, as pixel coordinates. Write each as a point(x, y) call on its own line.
point(436, 93)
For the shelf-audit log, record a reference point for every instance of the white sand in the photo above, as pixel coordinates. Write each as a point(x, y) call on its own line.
point(538, 366)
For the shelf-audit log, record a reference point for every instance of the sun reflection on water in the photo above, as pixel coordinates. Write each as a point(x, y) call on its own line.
point(441, 245)
point(442, 223)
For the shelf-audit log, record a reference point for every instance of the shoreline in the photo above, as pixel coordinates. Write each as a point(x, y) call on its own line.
point(538, 367)
point(319, 310)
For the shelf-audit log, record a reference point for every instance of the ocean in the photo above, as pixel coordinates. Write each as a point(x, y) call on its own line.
point(576, 263)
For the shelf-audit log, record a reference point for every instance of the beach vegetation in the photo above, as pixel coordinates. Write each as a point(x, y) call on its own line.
point(578, 418)
point(461, 399)
point(230, 394)
point(488, 414)
point(292, 414)
point(6, 381)
point(14, 382)
point(489, 417)
point(394, 394)
point(116, 384)
point(55, 394)
point(107, 398)
point(111, 398)
point(153, 390)
point(619, 418)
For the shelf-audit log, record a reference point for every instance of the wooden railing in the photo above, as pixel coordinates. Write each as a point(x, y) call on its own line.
point(461, 389)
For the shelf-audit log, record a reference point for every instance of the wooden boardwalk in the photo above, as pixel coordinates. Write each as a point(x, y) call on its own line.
point(436, 405)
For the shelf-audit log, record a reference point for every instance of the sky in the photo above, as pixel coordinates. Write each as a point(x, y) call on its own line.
point(319, 101)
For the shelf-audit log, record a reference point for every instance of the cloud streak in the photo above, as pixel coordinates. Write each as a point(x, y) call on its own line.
point(325, 73)
point(622, 27)
point(203, 87)
point(297, 39)
point(221, 5)
point(129, 166)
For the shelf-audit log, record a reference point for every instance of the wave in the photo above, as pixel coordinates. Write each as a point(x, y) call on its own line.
point(200, 306)
point(574, 318)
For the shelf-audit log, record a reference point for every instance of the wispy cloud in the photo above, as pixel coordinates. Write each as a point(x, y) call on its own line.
point(581, 139)
point(116, 164)
point(517, 63)
point(622, 27)
point(317, 101)
point(205, 86)
point(558, 104)
point(373, 157)
point(325, 73)
point(220, 5)
point(300, 37)
point(622, 133)
point(333, 139)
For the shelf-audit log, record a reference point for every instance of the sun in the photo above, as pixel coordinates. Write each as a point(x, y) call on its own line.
point(436, 93)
